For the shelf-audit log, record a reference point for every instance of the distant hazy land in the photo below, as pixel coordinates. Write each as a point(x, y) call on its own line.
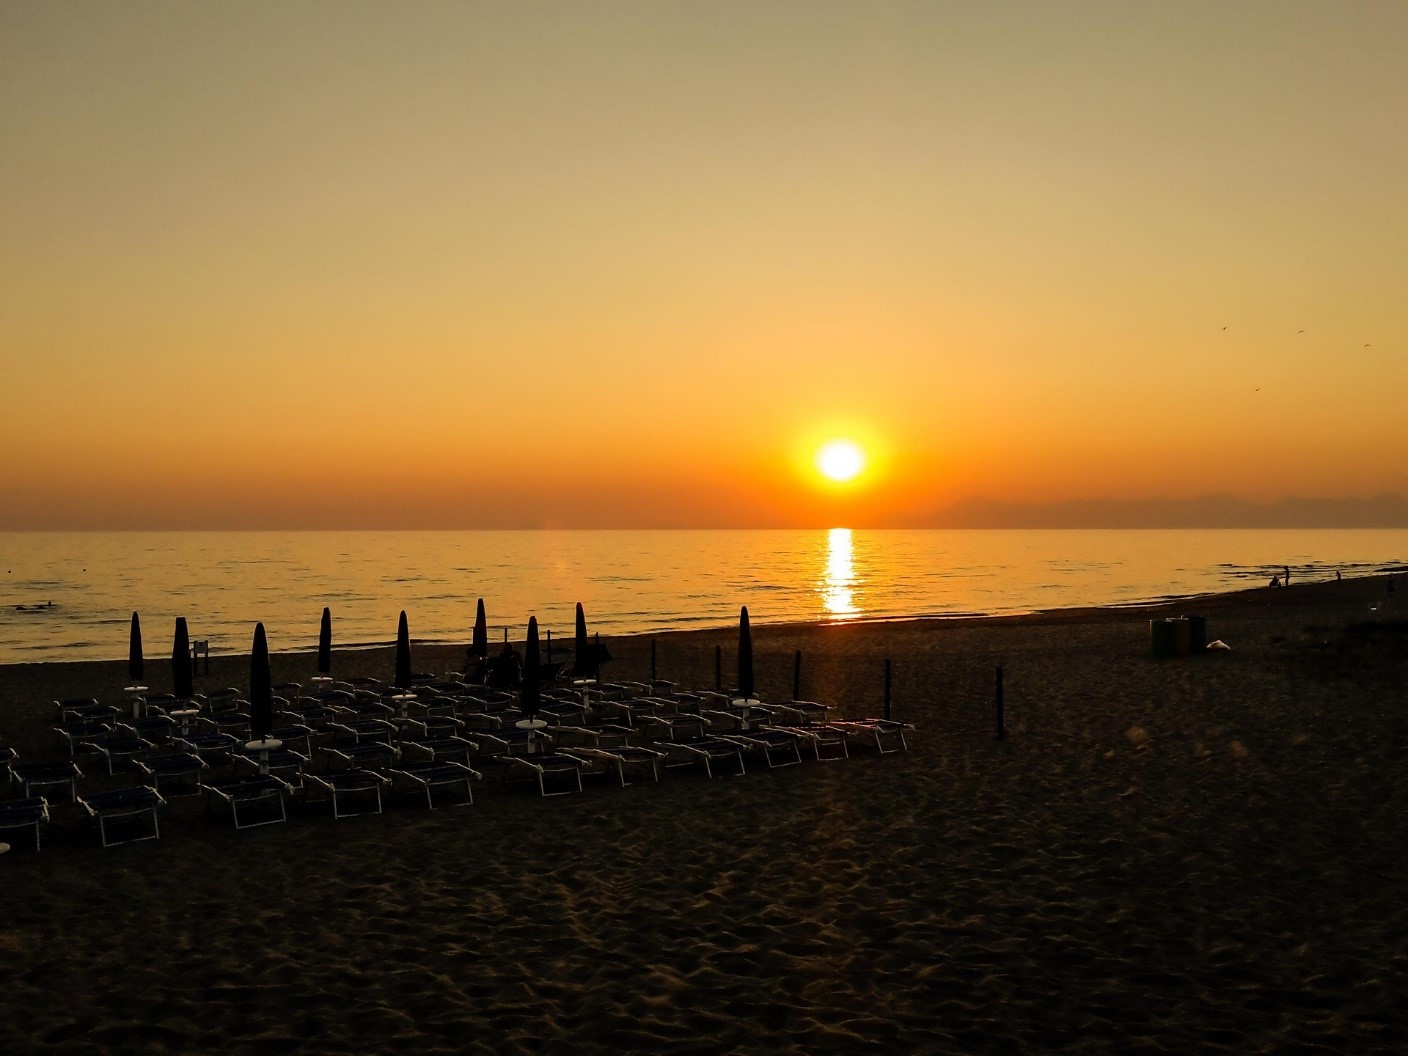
point(1211, 511)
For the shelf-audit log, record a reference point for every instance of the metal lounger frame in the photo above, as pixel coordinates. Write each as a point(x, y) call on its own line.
point(880, 730)
point(329, 784)
point(706, 751)
point(542, 771)
point(122, 812)
point(429, 783)
point(23, 813)
point(252, 790)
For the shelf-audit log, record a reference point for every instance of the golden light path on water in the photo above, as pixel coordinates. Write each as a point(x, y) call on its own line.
point(838, 581)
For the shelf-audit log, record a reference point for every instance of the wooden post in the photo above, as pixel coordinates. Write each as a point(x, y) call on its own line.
point(887, 691)
point(797, 676)
point(652, 659)
point(1001, 717)
point(719, 668)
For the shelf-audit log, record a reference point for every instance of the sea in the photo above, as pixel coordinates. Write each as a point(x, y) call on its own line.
point(71, 595)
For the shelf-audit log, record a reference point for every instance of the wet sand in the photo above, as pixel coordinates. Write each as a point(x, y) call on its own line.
point(1203, 854)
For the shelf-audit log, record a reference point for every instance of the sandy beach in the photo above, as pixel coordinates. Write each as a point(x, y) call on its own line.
point(1201, 854)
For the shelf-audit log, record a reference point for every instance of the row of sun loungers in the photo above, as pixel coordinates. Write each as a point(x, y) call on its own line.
point(372, 740)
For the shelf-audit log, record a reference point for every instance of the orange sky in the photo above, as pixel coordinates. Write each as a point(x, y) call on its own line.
point(349, 265)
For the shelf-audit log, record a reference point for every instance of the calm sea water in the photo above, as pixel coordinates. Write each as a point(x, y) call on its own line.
point(629, 581)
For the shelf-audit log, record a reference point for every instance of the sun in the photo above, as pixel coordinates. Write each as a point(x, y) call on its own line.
point(840, 460)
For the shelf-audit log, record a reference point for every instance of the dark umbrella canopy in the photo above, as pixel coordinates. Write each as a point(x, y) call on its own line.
point(403, 653)
point(584, 658)
point(745, 656)
point(479, 645)
point(325, 643)
point(261, 687)
point(182, 673)
point(135, 666)
point(529, 696)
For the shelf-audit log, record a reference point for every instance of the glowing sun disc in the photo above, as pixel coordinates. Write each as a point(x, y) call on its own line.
point(840, 460)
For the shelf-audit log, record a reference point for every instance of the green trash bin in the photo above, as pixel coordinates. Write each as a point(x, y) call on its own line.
point(1161, 641)
point(1182, 636)
point(1198, 633)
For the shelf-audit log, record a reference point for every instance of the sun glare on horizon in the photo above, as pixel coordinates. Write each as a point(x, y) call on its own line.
point(840, 460)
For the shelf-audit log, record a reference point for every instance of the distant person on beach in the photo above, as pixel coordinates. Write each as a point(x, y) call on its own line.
point(1275, 581)
point(1287, 571)
point(1338, 577)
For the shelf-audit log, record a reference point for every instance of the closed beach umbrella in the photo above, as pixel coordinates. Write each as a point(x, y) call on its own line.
point(261, 687)
point(403, 654)
point(745, 656)
point(529, 695)
point(583, 662)
point(480, 645)
point(325, 643)
point(182, 674)
point(135, 667)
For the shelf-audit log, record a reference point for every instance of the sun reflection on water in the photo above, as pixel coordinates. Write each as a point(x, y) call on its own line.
point(837, 584)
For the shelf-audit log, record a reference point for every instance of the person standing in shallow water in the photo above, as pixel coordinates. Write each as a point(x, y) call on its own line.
point(1286, 574)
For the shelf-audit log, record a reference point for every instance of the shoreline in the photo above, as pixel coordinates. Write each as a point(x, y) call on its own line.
point(1114, 611)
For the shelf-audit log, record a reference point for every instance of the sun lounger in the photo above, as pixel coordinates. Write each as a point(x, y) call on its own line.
point(84, 709)
point(355, 783)
point(710, 751)
point(429, 727)
point(675, 727)
point(740, 718)
point(297, 736)
point(777, 747)
point(887, 734)
point(508, 742)
point(604, 735)
point(826, 741)
point(622, 756)
point(262, 792)
point(209, 746)
point(431, 775)
point(628, 710)
point(154, 729)
point(181, 769)
point(24, 814)
point(7, 756)
point(46, 778)
point(284, 762)
point(437, 749)
point(222, 700)
point(365, 730)
point(158, 703)
point(133, 805)
point(802, 712)
point(75, 733)
point(115, 748)
point(235, 723)
point(433, 702)
point(373, 755)
point(555, 768)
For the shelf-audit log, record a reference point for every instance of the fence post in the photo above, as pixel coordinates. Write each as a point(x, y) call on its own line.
point(887, 690)
point(1001, 716)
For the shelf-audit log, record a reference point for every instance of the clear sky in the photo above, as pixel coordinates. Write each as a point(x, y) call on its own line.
point(599, 264)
